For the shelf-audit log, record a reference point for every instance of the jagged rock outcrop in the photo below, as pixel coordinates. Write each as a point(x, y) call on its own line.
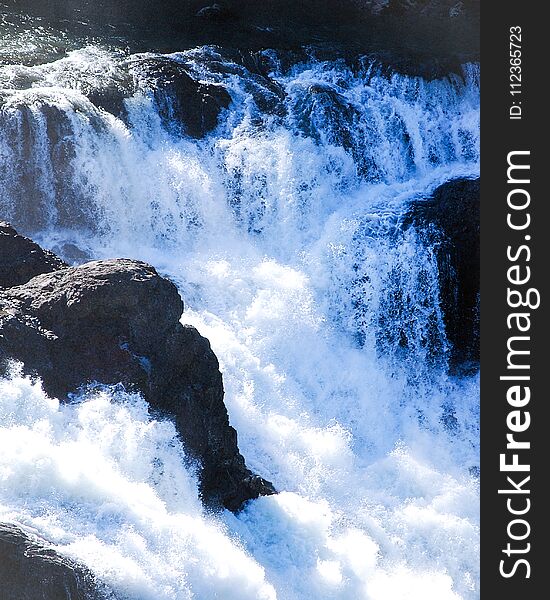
point(31, 570)
point(117, 321)
point(449, 220)
point(190, 106)
point(186, 104)
point(21, 259)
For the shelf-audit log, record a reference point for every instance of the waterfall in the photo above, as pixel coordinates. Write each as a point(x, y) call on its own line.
point(283, 224)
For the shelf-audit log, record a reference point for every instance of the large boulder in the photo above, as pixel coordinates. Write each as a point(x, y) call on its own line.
point(184, 104)
point(21, 259)
point(449, 221)
point(31, 570)
point(117, 321)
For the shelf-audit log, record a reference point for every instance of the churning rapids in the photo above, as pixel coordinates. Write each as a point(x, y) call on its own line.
point(281, 228)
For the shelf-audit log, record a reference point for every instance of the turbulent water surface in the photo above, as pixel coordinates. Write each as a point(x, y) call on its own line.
point(281, 228)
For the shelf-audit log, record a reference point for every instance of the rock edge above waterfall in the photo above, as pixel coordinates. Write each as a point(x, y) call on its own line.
point(117, 321)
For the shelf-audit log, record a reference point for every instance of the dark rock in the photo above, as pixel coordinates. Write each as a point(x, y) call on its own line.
point(252, 68)
point(325, 113)
point(418, 31)
point(21, 259)
point(189, 105)
point(31, 570)
point(450, 221)
point(117, 321)
point(216, 12)
point(325, 108)
point(110, 99)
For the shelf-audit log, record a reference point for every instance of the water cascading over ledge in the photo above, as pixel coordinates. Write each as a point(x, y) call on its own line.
point(287, 216)
point(76, 172)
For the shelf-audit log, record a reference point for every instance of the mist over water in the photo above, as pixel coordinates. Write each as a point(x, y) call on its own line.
point(283, 229)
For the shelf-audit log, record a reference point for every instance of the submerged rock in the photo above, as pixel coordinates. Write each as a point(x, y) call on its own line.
point(31, 570)
point(117, 321)
point(21, 259)
point(450, 221)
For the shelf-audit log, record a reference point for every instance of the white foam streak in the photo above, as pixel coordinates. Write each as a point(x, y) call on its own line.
point(107, 485)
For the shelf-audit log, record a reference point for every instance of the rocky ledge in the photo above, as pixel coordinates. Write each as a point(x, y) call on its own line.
point(21, 259)
point(449, 221)
point(118, 321)
point(30, 569)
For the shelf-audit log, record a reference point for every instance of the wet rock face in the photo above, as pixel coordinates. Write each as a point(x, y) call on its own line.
point(21, 259)
point(91, 322)
point(190, 106)
point(450, 221)
point(31, 570)
point(117, 321)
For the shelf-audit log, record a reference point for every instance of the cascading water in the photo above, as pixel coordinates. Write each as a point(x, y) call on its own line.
point(283, 228)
